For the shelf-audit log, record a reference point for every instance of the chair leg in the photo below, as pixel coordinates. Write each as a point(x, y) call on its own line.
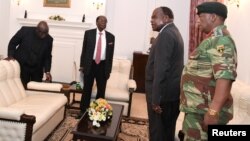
point(129, 103)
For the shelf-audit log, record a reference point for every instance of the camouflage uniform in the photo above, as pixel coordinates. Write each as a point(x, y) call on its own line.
point(214, 58)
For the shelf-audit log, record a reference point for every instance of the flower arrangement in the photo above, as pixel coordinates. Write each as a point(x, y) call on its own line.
point(99, 111)
point(56, 18)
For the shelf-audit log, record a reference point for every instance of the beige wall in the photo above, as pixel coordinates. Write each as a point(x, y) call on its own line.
point(4, 26)
point(238, 23)
point(130, 21)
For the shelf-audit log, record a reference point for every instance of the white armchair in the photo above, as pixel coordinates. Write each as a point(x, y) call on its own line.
point(120, 87)
point(27, 115)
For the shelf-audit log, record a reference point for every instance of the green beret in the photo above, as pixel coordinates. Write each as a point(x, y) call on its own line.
point(212, 7)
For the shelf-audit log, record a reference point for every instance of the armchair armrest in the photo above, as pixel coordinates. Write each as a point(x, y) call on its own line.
point(131, 84)
point(11, 113)
point(131, 89)
point(55, 87)
point(15, 124)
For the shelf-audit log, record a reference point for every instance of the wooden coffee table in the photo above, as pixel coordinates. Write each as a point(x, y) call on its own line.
point(107, 132)
point(72, 89)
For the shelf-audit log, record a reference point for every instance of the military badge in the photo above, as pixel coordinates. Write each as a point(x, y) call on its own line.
point(220, 48)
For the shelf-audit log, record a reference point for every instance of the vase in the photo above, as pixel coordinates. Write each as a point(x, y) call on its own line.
point(83, 18)
point(25, 14)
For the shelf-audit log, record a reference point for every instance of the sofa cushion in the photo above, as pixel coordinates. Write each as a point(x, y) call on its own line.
point(118, 80)
point(3, 77)
point(34, 104)
point(114, 94)
point(11, 86)
point(17, 79)
point(56, 87)
point(7, 96)
point(117, 85)
point(47, 108)
point(120, 74)
point(112, 81)
point(240, 92)
point(11, 113)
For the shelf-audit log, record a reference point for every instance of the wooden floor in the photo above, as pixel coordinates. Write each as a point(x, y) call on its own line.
point(139, 106)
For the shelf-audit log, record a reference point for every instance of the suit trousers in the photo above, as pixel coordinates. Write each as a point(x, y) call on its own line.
point(162, 126)
point(30, 74)
point(97, 72)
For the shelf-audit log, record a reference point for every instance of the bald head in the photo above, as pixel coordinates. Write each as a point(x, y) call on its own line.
point(42, 29)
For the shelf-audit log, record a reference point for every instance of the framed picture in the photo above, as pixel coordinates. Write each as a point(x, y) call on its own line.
point(56, 3)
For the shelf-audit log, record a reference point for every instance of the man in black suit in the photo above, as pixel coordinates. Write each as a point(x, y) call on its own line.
point(31, 47)
point(163, 73)
point(94, 64)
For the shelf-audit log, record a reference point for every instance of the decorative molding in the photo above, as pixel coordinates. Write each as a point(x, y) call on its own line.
point(60, 29)
point(53, 23)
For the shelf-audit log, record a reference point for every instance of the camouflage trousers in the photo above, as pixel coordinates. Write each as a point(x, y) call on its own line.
point(192, 127)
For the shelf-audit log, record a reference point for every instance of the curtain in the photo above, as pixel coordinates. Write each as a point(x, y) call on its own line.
point(195, 35)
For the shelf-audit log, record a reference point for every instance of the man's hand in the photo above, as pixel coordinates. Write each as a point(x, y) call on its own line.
point(9, 58)
point(81, 69)
point(48, 77)
point(157, 108)
point(209, 120)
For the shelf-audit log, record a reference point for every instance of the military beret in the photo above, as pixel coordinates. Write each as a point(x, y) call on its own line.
point(212, 7)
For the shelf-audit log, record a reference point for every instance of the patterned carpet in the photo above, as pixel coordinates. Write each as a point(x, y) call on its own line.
point(132, 129)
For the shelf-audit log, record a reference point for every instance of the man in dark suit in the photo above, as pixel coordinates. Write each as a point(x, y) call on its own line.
point(31, 47)
point(96, 60)
point(163, 73)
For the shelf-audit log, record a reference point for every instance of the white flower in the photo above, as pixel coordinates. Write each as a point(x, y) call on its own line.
point(99, 111)
point(95, 123)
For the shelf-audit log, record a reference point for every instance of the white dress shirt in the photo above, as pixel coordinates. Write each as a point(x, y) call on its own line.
point(103, 52)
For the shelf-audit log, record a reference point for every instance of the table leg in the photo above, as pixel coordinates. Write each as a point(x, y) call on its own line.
point(67, 94)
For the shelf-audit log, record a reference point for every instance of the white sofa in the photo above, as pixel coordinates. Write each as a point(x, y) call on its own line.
point(241, 96)
point(26, 114)
point(120, 87)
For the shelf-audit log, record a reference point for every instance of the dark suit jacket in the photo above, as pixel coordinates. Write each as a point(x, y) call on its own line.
point(20, 47)
point(164, 66)
point(89, 48)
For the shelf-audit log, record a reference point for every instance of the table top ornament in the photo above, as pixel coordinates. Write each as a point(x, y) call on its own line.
point(99, 111)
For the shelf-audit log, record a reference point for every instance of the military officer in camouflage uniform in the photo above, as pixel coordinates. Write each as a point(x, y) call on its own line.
point(208, 76)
